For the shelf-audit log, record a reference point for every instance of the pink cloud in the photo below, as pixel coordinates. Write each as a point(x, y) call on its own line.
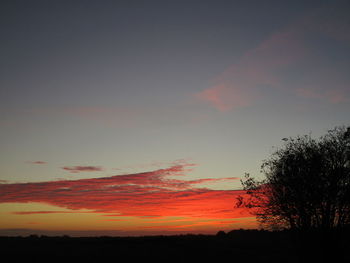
point(243, 83)
point(151, 194)
point(287, 62)
point(78, 169)
point(336, 96)
point(224, 98)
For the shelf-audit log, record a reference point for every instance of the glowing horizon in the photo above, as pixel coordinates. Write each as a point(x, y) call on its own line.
point(128, 204)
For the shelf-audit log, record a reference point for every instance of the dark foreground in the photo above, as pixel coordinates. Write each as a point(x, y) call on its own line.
point(235, 246)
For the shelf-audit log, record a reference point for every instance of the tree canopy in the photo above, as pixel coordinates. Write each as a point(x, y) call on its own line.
point(306, 183)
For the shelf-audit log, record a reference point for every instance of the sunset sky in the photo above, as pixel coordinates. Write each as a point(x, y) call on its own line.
point(141, 117)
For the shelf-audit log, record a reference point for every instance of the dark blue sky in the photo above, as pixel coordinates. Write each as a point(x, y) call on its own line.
point(77, 46)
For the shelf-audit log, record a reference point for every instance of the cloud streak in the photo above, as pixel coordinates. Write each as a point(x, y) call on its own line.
point(78, 169)
point(156, 193)
point(38, 162)
point(244, 82)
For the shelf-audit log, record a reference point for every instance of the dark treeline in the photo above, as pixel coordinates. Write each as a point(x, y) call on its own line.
point(234, 246)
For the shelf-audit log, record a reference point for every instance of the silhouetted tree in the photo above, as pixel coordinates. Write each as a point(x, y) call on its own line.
point(306, 184)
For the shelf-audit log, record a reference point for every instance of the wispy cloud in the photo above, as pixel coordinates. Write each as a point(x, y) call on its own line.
point(158, 165)
point(244, 82)
point(225, 97)
point(38, 162)
point(156, 194)
point(78, 169)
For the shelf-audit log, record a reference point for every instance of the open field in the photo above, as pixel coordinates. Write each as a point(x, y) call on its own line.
point(234, 246)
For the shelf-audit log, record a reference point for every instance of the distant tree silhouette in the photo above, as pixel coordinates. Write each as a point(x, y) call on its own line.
point(306, 184)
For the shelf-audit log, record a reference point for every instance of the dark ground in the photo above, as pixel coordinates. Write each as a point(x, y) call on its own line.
point(239, 245)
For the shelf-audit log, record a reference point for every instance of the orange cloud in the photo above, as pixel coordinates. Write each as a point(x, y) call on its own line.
point(148, 194)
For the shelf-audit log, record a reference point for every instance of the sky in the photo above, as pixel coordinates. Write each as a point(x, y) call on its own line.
point(141, 117)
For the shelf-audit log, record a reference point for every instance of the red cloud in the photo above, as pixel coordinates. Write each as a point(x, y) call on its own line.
point(151, 194)
point(78, 169)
